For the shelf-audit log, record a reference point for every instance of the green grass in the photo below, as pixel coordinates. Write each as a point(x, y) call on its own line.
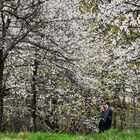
point(110, 135)
point(116, 135)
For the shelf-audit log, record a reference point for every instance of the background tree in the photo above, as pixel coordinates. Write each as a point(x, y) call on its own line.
point(116, 33)
point(17, 18)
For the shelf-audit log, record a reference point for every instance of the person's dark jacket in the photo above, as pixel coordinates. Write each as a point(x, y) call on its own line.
point(101, 123)
point(107, 118)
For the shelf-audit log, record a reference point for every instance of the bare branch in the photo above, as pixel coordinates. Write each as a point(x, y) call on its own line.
point(13, 45)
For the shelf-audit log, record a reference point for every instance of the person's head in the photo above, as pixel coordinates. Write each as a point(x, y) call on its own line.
point(107, 105)
point(101, 107)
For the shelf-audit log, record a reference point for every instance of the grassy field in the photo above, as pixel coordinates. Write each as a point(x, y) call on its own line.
point(111, 135)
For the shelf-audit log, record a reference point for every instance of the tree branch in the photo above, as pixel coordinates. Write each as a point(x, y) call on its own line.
point(13, 45)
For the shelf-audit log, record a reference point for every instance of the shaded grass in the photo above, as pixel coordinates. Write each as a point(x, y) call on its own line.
point(110, 135)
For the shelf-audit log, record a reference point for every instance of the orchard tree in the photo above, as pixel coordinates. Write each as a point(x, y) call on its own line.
point(18, 20)
point(42, 73)
point(114, 57)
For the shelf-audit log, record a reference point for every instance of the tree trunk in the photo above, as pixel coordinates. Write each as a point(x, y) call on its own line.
point(114, 124)
point(1, 87)
point(33, 101)
point(134, 113)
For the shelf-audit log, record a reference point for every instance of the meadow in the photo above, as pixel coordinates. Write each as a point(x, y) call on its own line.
point(110, 135)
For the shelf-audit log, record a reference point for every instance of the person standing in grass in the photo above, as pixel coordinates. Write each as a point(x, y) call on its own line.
point(101, 125)
point(107, 116)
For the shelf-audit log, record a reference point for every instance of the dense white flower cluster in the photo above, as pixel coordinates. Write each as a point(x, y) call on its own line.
point(115, 48)
point(114, 9)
